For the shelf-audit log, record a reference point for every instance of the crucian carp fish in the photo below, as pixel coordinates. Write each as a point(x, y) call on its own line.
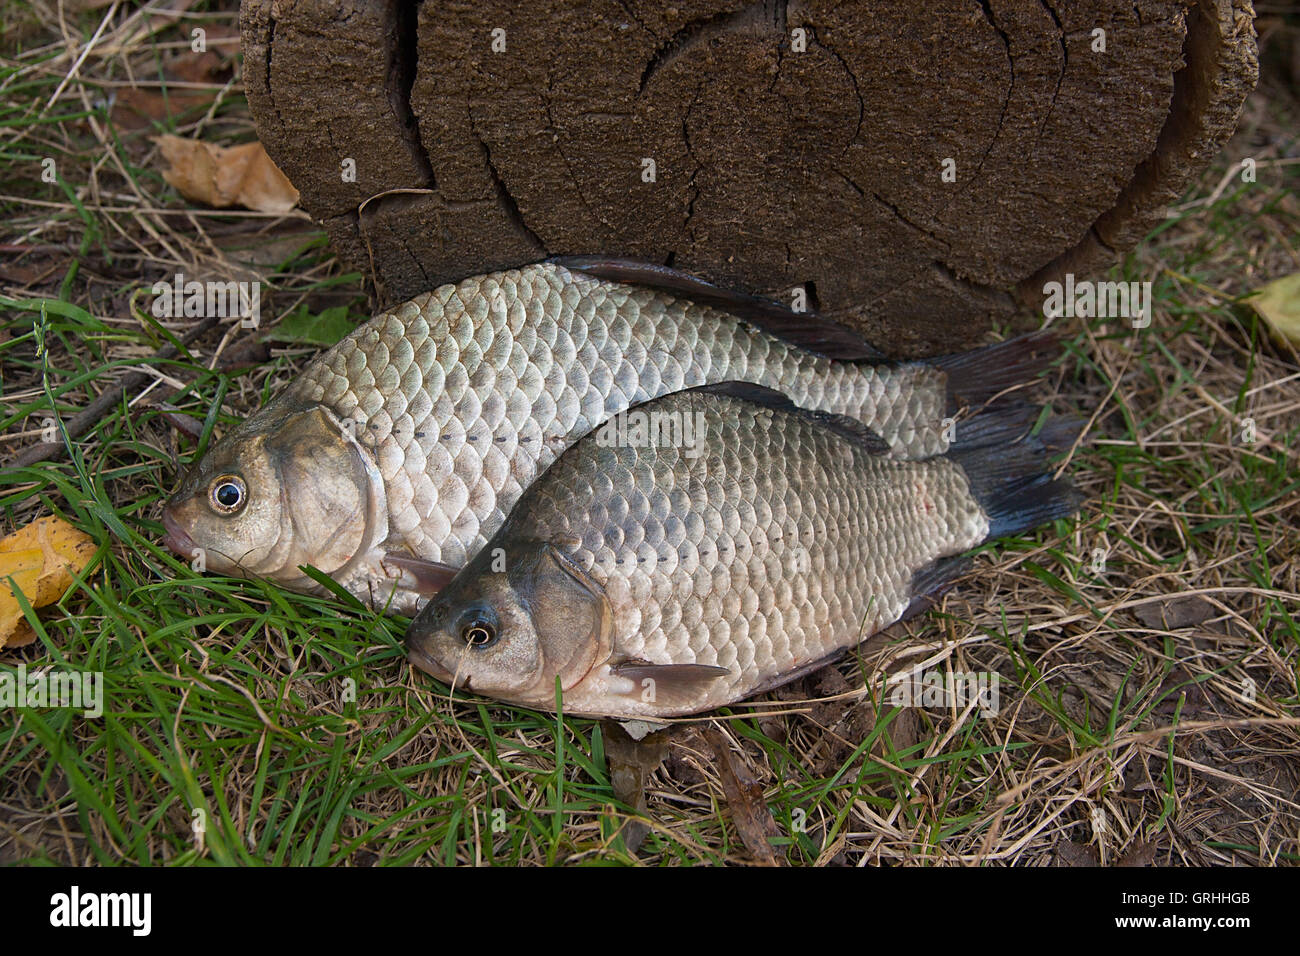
point(395, 454)
point(652, 584)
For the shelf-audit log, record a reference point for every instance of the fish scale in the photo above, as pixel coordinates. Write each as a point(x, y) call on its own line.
point(564, 354)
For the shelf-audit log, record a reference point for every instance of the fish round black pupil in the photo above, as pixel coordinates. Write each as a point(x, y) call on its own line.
point(479, 633)
point(228, 494)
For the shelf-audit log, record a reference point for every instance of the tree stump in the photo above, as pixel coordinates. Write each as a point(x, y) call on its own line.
point(915, 168)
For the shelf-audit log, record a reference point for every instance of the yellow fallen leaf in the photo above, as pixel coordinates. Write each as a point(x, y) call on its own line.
point(1279, 304)
point(41, 559)
point(224, 176)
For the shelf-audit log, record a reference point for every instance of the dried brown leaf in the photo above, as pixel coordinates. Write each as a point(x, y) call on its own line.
point(1176, 613)
point(744, 796)
point(631, 762)
point(1140, 853)
point(224, 176)
point(137, 107)
point(1069, 853)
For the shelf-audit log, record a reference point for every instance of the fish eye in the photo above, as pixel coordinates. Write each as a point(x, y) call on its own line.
point(227, 494)
point(479, 628)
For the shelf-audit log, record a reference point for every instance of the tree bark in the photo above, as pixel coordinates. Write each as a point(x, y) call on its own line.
point(917, 168)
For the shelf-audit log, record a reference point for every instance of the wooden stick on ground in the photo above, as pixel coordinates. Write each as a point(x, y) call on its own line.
point(81, 422)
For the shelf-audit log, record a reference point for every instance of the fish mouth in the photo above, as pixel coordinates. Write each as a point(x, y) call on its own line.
point(424, 662)
point(177, 538)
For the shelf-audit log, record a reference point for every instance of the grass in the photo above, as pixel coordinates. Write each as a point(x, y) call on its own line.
point(248, 725)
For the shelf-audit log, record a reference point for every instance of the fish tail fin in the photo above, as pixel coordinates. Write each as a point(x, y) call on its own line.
point(1007, 465)
point(977, 377)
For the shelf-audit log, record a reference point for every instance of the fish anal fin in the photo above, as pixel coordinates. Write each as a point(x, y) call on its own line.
point(929, 583)
point(803, 670)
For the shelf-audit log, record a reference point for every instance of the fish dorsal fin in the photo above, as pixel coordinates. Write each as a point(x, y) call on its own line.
point(807, 330)
point(852, 430)
point(846, 427)
point(749, 392)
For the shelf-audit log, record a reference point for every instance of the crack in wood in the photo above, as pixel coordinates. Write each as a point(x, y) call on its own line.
point(504, 197)
point(365, 219)
point(1065, 65)
point(1102, 242)
point(853, 80)
point(757, 18)
point(555, 133)
point(948, 271)
point(627, 8)
point(691, 185)
point(404, 61)
point(776, 74)
point(266, 73)
point(898, 214)
point(1011, 65)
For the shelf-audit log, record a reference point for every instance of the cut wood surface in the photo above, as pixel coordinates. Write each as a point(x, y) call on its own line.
point(916, 168)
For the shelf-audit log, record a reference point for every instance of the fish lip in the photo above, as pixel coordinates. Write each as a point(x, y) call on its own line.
point(176, 538)
point(421, 661)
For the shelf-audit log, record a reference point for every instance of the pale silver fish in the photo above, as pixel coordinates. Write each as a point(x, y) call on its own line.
point(394, 455)
point(650, 583)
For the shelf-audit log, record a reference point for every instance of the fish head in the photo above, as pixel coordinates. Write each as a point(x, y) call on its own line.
point(284, 489)
point(512, 621)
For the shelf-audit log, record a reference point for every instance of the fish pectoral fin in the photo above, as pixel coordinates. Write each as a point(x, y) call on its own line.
point(670, 680)
point(430, 576)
